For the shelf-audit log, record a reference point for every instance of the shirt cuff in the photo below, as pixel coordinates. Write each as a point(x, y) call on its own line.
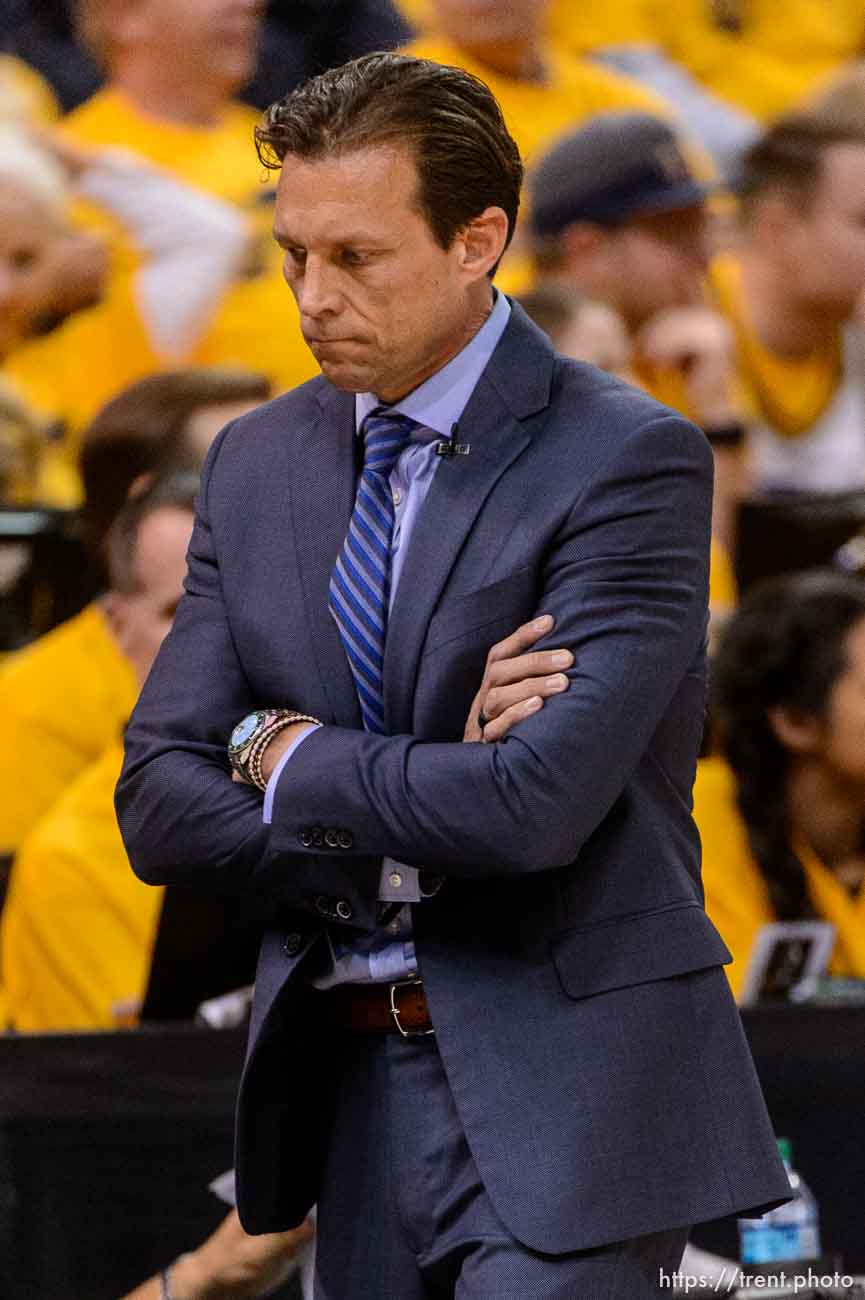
point(270, 792)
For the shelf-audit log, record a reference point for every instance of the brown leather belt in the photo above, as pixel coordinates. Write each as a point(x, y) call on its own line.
point(375, 1008)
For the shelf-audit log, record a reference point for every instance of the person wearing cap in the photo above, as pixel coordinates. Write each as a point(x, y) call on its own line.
point(619, 211)
point(792, 291)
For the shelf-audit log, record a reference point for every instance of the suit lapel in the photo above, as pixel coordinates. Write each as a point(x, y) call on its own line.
point(321, 503)
point(515, 384)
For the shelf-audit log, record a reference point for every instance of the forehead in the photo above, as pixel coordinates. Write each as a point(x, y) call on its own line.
point(672, 227)
point(171, 13)
point(368, 193)
point(487, 8)
point(160, 551)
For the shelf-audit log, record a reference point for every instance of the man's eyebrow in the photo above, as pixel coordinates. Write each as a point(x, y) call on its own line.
point(352, 239)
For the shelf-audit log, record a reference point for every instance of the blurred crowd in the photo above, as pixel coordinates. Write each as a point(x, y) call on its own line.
point(694, 220)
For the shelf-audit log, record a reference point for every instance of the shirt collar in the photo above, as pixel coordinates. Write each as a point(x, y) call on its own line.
point(439, 401)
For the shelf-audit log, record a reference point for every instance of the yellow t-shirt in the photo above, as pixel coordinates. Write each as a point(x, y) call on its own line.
point(788, 393)
point(78, 928)
point(537, 112)
point(737, 898)
point(63, 700)
point(780, 55)
point(256, 324)
point(66, 376)
point(577, 29)
point(583, 28)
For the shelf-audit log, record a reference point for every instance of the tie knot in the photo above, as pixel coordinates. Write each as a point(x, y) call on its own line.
point(386, 434)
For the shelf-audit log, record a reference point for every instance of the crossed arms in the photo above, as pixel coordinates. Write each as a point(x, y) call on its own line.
point(626, 584)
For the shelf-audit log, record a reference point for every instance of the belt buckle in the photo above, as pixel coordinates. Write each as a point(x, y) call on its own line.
point(394, 1010)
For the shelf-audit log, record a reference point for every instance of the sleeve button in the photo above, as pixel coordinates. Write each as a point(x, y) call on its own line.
point(345, 839)
point(305, 838)
point(331, 838)
point(292, 945)
point(317, 837)
point(344, 909)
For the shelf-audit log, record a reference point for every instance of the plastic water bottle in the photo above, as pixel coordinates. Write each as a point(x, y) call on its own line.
point(789, 1232)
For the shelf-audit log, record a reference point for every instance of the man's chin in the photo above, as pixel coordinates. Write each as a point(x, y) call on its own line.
point(349, 378)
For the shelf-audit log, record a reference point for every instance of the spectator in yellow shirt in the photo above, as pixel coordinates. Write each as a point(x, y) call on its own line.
point(761, 56)
point(78, 927)
point(782, 815)
point(543, 90)
point(790, 291)
point(65, 698)
point(618, 37)
point(618, 212)
point(71, 335)
point(172, 70)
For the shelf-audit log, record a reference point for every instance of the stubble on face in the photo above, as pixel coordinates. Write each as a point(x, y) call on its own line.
point(382, 305)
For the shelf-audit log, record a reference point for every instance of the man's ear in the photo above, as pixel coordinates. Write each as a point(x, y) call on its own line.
point(797, 730)
point(483, 242)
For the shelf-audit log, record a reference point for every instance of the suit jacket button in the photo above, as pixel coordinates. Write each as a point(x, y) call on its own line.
point(305, 838)
point(317, 837)
point(331, 838)
point(293, 944)
point(345, 839)
point(344, 909)
point(324, 905)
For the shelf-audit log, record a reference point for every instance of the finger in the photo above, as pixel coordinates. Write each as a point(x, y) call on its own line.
point(538, 663)
point(501, 698)
point(499, 727)
point(523, 639)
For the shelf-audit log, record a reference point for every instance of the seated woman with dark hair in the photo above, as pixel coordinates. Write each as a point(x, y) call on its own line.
point(783, 818)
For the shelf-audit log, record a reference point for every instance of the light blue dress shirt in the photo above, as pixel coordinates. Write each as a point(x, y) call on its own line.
point(436, 405)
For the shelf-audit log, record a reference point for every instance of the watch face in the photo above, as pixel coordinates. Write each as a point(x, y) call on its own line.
point(244, 731)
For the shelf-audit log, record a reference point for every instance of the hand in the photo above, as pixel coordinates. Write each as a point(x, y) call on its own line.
point(516, 683)
point(231, 1265)
point(698, 341)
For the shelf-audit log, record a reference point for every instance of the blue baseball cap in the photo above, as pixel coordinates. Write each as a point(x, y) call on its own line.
point(616, 167)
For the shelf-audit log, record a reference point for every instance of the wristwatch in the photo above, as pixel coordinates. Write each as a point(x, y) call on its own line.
point(251, 737)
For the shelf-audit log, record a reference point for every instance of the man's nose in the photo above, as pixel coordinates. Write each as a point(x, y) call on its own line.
point(317, 292)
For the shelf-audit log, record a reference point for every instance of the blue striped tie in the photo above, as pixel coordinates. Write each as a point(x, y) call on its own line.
point(359, 594)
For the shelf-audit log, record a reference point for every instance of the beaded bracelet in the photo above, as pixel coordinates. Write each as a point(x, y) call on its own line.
point(256, 753)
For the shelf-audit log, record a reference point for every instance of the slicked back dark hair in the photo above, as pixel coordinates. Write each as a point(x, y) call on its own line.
point(788, 155)
point(466, 158)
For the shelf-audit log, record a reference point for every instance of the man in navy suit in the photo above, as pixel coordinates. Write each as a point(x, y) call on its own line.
point(494, 996)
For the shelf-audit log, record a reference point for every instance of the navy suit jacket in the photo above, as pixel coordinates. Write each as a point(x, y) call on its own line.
point(576, 985)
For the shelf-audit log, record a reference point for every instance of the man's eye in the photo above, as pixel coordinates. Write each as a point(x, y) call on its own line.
point(22, 259)
point(351, 258)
